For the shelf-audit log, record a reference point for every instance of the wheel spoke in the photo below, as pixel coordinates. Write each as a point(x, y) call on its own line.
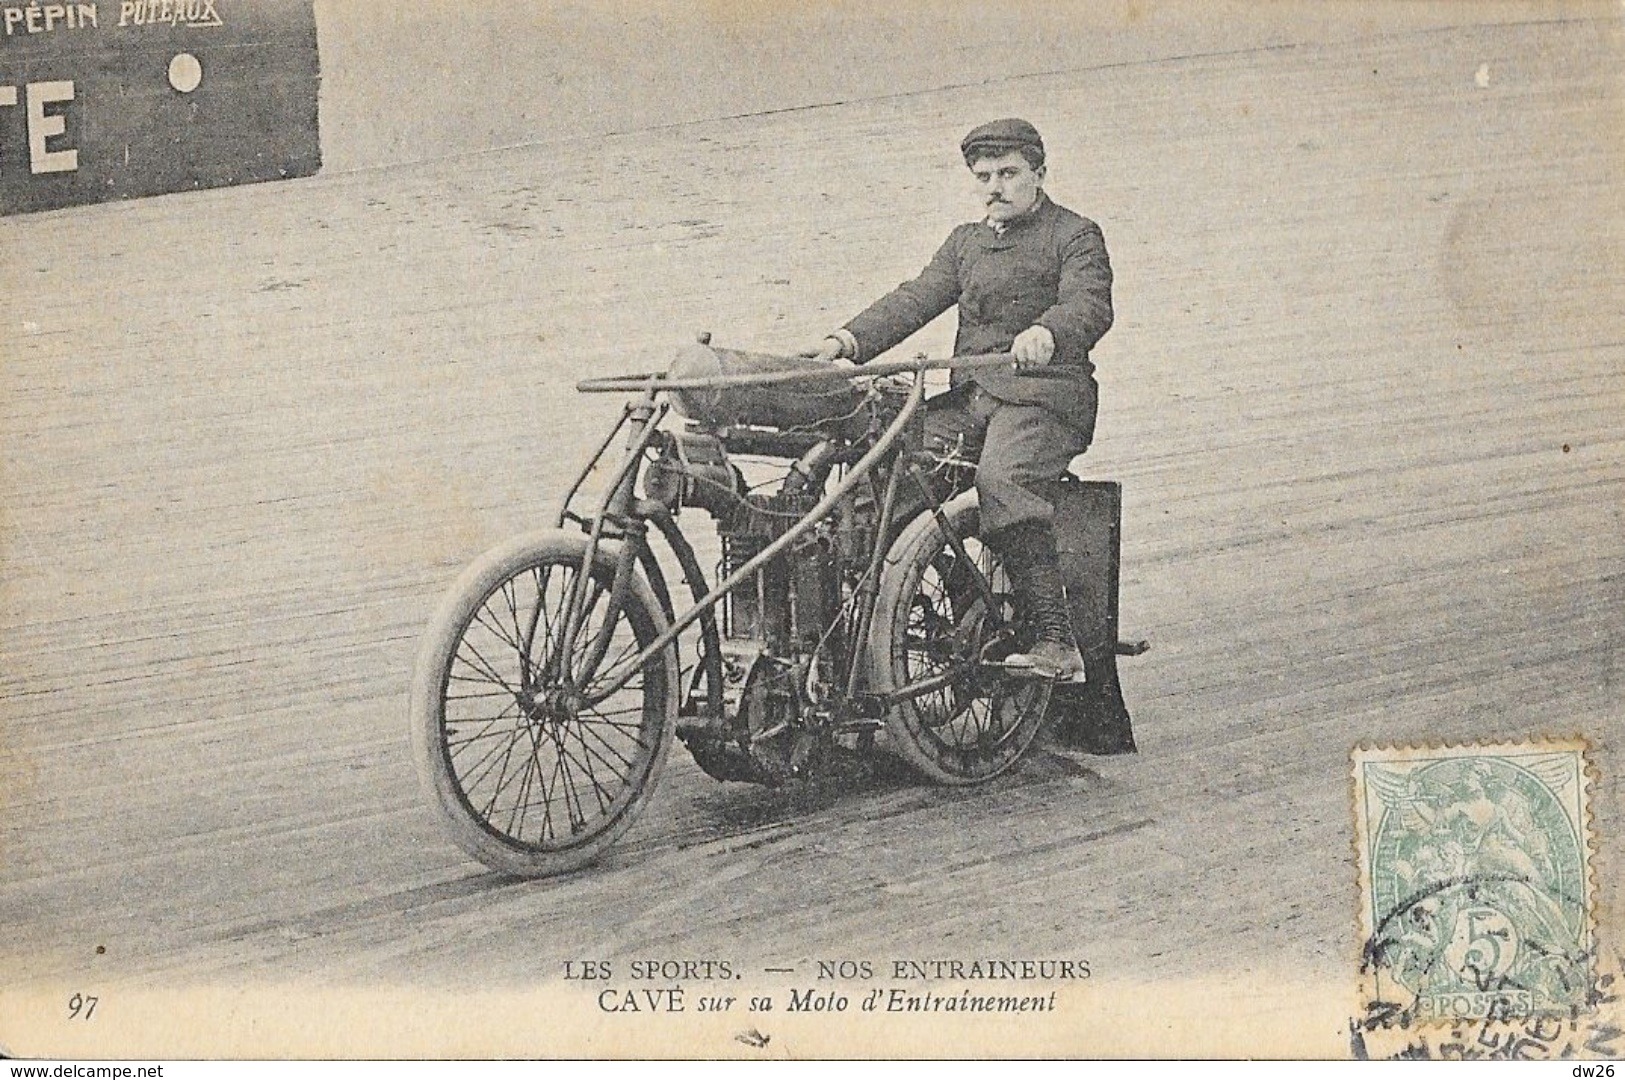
point(555, 623)
point(516, 817)
point(479, 696)
point(620, 777)
point(482, 767)
point(483, 680)
point(489, 722)
point(585, 763)
point(484, 666)
point(578, 818)
point(957, 711)
point(607, 746)
point(468, 740)
point(499, 632)
point(549, 830)
point(540, 782)
point(623, 726)
point(527, 637)
point(969, 719)
point(510, 594)
point(502, 772)
point(477, 736)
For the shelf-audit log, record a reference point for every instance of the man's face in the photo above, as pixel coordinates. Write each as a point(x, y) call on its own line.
point(1007, 185)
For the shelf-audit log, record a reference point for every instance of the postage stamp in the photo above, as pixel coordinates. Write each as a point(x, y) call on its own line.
point(1476, 896)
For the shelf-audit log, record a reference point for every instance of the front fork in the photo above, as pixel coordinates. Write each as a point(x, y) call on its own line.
point(616, 519)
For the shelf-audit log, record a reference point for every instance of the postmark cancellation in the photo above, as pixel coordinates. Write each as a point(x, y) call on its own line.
point(1476, 894)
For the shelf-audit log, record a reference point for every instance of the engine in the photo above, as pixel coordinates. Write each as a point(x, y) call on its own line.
point(784, 629)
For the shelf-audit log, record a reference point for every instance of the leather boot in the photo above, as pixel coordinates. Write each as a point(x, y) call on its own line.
point(1029, 556)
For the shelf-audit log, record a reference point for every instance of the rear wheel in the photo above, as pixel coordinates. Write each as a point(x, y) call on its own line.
point(531, 775)
point(931, 622)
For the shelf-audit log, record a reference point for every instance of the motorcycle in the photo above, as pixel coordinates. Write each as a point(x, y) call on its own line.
point(856, 613)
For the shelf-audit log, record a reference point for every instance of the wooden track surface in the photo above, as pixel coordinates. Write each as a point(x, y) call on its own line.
point(1366, 395)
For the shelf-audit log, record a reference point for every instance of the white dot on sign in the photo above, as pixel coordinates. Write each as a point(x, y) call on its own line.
point(185, 72)
point(1482, 76)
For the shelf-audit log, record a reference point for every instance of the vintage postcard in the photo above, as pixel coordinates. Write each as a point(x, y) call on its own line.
point(760, 530)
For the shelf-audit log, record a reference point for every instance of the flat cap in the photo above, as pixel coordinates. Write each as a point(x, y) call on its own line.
point(1001, 137)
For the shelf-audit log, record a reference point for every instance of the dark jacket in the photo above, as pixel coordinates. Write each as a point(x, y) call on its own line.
point(1048, 267)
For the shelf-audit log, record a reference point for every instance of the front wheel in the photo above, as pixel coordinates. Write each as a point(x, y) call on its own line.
point(932, 624)
point(531, 775)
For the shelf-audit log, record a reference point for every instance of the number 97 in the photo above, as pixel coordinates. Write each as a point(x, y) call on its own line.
point(80, 1003)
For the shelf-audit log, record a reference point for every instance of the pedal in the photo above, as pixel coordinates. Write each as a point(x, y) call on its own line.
point(1028, 671)
point(688, 727)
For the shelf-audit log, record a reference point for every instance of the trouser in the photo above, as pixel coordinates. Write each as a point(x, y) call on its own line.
point(1021, 452)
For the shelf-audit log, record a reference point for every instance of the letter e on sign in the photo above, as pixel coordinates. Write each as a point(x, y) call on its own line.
point(42, 127)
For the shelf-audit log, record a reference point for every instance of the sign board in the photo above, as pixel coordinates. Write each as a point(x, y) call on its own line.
point(113, 100)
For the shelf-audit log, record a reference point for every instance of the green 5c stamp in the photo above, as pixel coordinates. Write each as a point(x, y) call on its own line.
point(1475, 880)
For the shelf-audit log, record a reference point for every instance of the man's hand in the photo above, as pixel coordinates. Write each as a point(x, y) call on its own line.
point(824, 349)
point(1034, 347)
point(830, 349)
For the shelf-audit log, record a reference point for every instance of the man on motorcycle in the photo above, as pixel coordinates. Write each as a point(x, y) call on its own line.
point(1031, 278)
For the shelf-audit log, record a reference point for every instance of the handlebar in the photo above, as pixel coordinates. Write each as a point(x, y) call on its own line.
point(658, 380)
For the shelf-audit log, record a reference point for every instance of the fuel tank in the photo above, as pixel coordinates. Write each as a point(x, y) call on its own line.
point(776, 405)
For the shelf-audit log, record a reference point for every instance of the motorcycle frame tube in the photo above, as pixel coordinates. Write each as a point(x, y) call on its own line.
point(689, 564)
point(586, 470)
point(619, 677)
point(871, 581)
